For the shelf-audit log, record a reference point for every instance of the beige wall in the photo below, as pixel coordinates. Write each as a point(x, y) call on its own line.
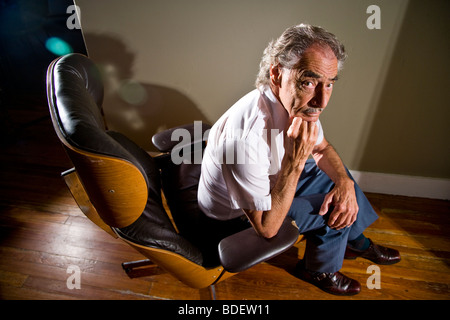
point(191, 60)
point(408, 130)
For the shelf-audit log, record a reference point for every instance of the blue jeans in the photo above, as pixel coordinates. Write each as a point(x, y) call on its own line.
point(325, 247)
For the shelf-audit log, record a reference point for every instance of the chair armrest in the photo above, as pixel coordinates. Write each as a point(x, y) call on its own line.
point(245, 249)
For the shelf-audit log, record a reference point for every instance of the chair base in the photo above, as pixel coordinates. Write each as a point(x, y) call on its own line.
point(139, 268)
point(129, 266)
point(208, 293)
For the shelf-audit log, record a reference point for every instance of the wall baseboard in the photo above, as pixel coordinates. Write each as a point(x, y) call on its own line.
point(410, 186)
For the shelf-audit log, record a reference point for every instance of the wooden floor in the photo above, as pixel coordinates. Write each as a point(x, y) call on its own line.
point(42, 233)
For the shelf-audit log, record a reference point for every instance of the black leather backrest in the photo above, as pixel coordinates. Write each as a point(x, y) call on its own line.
point(77, 97)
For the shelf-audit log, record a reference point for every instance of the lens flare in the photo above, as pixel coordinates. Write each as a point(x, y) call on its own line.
point(133, 92)
point(58, 46)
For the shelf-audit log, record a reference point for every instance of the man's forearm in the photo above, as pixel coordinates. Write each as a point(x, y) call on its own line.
point(284, 190)
point(299, 143)
point(329, 162)
point(267, 223)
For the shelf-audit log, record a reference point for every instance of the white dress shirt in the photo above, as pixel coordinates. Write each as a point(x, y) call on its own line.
point(243, 156)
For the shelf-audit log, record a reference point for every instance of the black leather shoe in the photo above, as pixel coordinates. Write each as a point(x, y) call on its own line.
point(335, 283)
point(375, 253)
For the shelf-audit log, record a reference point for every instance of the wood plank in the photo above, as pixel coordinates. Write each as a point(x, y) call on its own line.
point(60, 287)
point(21, 264)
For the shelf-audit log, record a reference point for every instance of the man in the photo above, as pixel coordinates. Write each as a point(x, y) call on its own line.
point(256, 161)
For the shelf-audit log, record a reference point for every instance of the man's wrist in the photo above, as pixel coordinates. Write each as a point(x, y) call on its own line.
point(344, 181)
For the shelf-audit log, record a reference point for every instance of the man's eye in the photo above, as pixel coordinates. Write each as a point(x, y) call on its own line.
point(308, 84)
point(330, 85)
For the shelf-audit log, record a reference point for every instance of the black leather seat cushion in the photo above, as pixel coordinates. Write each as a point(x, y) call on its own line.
point(180, 184)
point(153, 229)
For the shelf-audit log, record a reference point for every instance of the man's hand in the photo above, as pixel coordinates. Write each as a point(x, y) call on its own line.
point(345, 211)
point(300, 139)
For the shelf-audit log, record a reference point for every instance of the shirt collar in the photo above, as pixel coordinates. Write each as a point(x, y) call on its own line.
point(279, 113)
point(268, 92)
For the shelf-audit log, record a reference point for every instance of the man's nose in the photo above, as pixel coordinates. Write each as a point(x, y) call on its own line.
point(321, 98)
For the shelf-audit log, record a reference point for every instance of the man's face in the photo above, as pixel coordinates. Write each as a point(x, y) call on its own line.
point(305, 90)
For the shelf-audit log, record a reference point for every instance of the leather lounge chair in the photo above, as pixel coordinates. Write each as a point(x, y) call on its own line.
point(118, 186)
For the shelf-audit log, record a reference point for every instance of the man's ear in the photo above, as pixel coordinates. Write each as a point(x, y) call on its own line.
point(275, 75)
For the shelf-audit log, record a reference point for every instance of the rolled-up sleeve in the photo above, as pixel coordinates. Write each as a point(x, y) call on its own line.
point(245, 170)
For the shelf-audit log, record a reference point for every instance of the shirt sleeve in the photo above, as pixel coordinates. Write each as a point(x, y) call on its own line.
point(245, 169)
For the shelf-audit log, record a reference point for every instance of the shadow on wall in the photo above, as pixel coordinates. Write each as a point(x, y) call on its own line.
point(411, 122)
point(136, 109)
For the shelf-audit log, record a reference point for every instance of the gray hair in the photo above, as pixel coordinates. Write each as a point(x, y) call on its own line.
point(287, 50)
